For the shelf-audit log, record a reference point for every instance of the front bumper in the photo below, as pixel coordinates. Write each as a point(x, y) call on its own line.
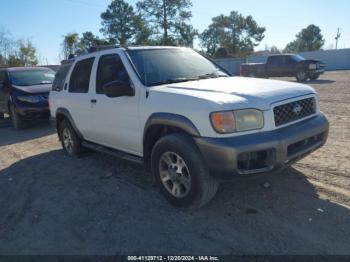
point(317, 72)
point(263, 152)
point(28, 111)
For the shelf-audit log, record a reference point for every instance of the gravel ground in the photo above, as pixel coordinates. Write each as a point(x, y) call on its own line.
point(52, 204)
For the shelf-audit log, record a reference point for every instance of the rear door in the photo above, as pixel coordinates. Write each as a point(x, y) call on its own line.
point(78, 96)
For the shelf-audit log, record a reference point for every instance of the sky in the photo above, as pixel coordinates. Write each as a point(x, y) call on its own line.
point(44, 22)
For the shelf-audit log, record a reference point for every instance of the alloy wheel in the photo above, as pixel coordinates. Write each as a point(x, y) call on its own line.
point(301, 75)
point(174, 174)
point(67, 140)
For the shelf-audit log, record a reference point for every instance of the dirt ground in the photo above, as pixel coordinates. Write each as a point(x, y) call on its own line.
point(52, 204)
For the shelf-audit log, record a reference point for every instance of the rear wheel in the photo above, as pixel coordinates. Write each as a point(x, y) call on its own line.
point(71, 143)
point(301, 76)
point(2, 116)
point(180, 173)
point(17, 122)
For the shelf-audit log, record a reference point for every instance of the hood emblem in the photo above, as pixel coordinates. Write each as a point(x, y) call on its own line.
point(297, 109)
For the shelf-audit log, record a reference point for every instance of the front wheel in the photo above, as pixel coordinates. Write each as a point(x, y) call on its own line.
point(301, 76)
point(314, 77)
point(180, 172)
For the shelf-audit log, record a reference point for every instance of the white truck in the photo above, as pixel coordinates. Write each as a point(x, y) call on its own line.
point(183, 117)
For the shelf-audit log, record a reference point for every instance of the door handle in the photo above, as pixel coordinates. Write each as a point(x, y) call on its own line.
point(93, 101)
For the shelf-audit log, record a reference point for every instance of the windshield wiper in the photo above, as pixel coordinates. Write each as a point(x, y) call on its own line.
point(42, 83)
point(210, 75)
point(173, 80)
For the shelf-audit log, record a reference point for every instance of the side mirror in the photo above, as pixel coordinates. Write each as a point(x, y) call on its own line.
point(118, 88)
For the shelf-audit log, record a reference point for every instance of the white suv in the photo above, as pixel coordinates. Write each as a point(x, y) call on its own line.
point(183, 117)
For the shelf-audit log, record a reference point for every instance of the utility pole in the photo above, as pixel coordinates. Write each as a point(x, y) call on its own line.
point(337, 38)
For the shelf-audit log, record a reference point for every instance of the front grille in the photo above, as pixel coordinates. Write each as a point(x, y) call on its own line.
point(294, 111)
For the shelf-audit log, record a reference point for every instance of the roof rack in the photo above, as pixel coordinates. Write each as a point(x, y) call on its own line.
point(101, 47)
point(92, 49)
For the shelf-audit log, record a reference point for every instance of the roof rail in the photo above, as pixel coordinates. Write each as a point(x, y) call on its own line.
point(101, 47)
point(92, 49)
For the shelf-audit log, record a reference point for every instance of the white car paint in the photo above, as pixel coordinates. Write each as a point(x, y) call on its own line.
point(119, 122)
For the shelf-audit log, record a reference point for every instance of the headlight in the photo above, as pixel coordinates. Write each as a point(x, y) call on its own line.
point(237, 121)
point(29, 99)
point(223, 122)
point(249, 119)
point(312, 66)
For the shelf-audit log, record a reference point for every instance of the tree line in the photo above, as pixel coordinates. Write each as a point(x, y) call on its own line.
point(164, 22)
point(16, 52)
point(167, 22)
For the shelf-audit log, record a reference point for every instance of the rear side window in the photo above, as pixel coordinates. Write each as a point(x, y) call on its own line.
point(60, 76)
point(110, 68)
point(80, 78)
point(275, 60)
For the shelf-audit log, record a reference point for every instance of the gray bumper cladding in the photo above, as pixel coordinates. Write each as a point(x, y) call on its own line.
point(263, 152)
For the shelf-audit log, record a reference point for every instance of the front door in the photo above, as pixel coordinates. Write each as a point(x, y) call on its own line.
point(115, 120)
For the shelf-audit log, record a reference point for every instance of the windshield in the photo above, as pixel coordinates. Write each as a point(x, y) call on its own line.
point(161, 66)
point(298, 58)
point(32, 77)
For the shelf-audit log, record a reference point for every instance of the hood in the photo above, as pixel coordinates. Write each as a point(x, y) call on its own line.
point(235, 91)
point(35, 89)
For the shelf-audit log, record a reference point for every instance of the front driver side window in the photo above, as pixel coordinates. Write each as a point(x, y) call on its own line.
point(110, 68)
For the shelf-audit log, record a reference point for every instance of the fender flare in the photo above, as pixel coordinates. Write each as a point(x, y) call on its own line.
point(66, 114)
point(165, 119)
point(173, 120)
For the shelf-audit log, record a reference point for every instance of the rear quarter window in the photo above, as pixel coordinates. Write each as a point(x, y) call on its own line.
point(61, 76)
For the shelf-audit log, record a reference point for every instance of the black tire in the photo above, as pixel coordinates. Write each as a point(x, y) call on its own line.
point(301, 76)
point(314, 77)
point(17, 122)
point(2, 116)
point(203, 186)
point(74, 147)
